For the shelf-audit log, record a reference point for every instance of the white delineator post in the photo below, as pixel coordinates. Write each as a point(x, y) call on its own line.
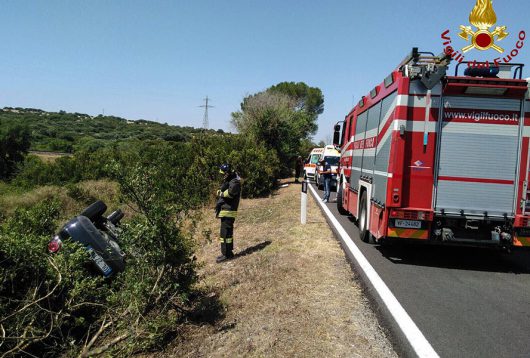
point(303, 203)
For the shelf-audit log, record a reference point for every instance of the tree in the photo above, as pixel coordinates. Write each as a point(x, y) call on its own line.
point(14, 144)
point(282, 118)
point(309, 99)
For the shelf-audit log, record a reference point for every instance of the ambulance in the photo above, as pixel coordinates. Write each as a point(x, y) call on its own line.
point(310, 164)
point(332, 156)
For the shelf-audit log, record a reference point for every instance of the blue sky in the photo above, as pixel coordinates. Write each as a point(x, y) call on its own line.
point(158, 59)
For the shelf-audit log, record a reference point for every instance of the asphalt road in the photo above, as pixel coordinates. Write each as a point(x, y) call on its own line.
point(467, 302)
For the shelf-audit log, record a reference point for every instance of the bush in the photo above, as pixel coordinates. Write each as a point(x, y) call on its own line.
point(42, 297)
point(52, 304)
point(257, 165)
point(14, 144)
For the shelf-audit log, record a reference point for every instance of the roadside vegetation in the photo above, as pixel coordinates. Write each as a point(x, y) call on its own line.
point(52, 305)
point(289, 292)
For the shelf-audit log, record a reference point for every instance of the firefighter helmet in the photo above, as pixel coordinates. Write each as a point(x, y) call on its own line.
point(225, 168)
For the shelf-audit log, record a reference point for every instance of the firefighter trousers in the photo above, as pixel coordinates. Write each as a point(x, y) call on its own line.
point(227, 236)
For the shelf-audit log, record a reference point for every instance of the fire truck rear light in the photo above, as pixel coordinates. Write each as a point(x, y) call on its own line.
point(395, 198)
point(411, 215)
point(397, 214)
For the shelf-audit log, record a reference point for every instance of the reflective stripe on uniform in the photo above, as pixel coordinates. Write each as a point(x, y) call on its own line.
point(227, 214)
point(225, 194)
point(229, 240)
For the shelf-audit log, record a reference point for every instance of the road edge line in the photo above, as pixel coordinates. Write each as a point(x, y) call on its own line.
point(410, 331)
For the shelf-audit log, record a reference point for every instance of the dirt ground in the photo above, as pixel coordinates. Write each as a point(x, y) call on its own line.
point(289, 292)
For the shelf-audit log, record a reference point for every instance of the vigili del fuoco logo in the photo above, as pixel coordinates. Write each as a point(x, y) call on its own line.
point(483, 37)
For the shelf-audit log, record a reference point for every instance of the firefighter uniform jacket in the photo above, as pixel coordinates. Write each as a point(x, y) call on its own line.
point(230, 195)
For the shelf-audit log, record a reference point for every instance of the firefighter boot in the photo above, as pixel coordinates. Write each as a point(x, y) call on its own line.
point(229, 248)
point(224, 254)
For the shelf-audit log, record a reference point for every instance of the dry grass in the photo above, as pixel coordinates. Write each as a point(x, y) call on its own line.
point(49, 157)
point(289, 293)
point(93, 190)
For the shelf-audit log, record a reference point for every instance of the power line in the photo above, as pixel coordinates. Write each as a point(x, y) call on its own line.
point(205, 123)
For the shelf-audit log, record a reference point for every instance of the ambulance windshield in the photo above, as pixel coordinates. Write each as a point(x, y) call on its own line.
point(314, 158)
point(332, 160)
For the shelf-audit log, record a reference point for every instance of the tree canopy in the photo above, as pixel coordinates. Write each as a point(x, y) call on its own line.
point(283, 118)
point(14, 144)
point(71, 132)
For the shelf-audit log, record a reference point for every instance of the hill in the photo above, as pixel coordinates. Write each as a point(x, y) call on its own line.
point(69, 132)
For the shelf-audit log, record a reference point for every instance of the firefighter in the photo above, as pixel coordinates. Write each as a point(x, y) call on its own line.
point(326, 174)
point(298, 168)
point(226, 209)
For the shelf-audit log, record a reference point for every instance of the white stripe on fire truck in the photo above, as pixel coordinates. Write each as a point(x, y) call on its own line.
point(383, 174)
point(410, 126)
point(414, 126)
point(373, 172)
point(417, 101)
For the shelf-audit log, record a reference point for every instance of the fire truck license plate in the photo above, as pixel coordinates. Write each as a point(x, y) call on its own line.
point(408, 224)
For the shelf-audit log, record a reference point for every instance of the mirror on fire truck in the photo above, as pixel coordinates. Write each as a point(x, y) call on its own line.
point(336, 135)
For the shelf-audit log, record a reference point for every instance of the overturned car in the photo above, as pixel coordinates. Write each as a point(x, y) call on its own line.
point(98, 234)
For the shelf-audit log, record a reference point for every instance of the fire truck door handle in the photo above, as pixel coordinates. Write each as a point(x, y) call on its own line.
point(402, 130)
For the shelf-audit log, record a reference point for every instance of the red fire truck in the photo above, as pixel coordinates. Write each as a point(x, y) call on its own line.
point(437, 158)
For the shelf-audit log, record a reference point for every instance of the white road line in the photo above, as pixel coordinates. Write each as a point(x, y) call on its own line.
point(413, 334)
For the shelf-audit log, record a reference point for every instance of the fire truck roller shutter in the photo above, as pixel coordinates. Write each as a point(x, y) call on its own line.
point(383, 149)
point(478, 155)
point(371, 140)
point(357, 159)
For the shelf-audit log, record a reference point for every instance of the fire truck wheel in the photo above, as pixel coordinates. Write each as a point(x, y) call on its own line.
point(364, 234)
point(340, 208)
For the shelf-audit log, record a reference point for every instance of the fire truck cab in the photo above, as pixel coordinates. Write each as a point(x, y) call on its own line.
point(430, 157)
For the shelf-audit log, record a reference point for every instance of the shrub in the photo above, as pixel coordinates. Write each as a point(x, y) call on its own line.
point(257, 165)
point(52, 304)
point(42, 297)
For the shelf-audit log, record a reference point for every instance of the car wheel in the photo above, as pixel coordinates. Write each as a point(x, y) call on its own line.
point(115, 216)
point(95, 211)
